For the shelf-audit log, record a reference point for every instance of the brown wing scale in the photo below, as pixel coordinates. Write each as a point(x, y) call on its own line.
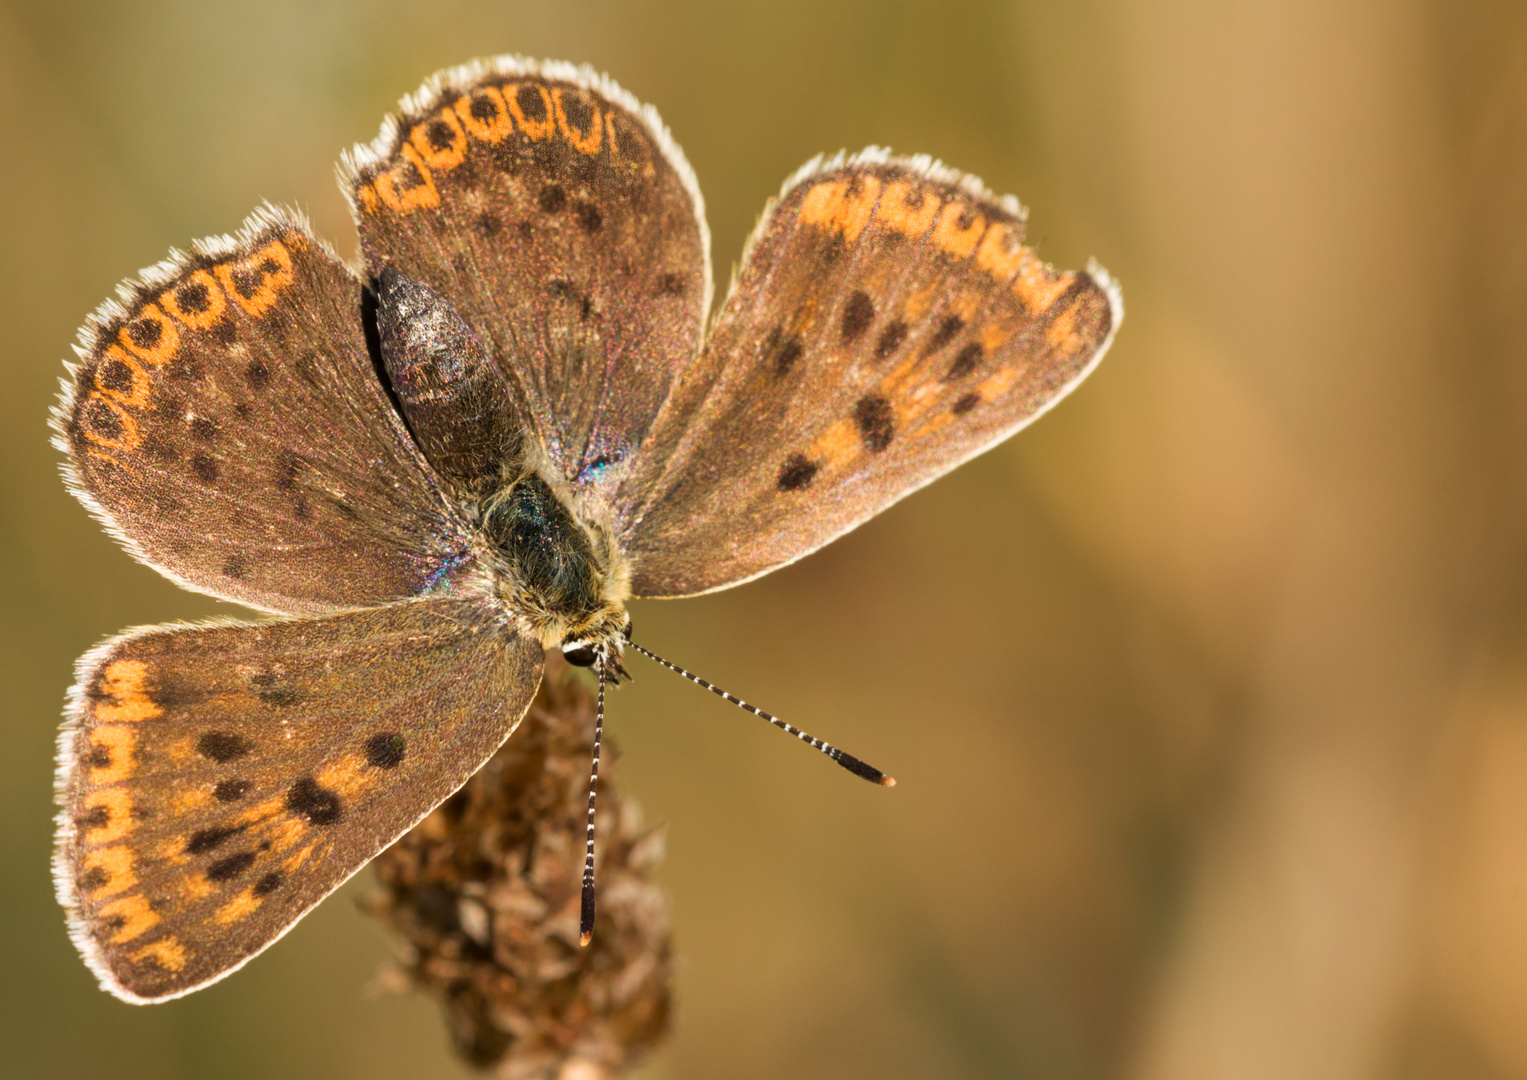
point(887, 324)
point(558, 216)
point(227, 424)
point(218, 781)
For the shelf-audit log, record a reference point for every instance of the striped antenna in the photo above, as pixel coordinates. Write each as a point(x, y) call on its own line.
point(586, 919)
point(848, 761)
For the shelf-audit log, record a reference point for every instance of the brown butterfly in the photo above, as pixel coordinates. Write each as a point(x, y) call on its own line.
point(477, 447)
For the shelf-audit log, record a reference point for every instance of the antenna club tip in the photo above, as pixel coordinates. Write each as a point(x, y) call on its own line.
point(585, 937)
point(888, 781)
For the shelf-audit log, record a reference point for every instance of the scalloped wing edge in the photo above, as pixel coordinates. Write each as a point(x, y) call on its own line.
point(933, 169)
point(509, 65)
point(64, 830)
point(924, 165)
point(109, 315)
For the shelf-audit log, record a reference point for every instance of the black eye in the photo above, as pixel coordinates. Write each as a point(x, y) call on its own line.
point(627, 630)
point(578, 654)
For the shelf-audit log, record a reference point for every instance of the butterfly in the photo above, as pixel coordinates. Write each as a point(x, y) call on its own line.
point(476, 447)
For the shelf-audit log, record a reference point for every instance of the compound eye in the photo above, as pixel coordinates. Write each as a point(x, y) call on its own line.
point(578, 654)
point(627, 631)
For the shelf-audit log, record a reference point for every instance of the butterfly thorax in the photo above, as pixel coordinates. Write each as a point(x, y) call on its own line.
point(553, 563)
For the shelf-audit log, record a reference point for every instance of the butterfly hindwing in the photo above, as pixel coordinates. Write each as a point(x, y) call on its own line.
point(227, 422)
point(887, 324)
point(558, 217)
point(218, 781)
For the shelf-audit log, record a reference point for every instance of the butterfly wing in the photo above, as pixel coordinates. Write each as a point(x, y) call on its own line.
point(227, 424)
point(558, 217)
point(218, 781)
point(887, 324)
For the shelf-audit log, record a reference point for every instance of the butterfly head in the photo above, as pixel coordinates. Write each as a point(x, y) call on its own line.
point(603, 652)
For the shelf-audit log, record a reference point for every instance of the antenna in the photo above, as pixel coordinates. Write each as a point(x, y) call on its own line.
point(586, 918)
point(848, 761)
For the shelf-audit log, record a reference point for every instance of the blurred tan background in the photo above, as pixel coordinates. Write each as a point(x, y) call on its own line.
point(1207, 696)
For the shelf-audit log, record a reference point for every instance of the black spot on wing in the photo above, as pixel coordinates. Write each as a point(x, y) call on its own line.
point(796, 473)
point(965, 404)
point(257, 375)
point(268, 884)
point(231, 790)
point(205, 840)
point(858, 313)
point(553, 198)
point(890, 339)
point(222, 746)
point(93, 818)
point(783, 350)
point(947, 328)
point(876, 425)
point(385, 751)
point(274, 689)
point(965, 361)
point(307, 799)
point(231, 867)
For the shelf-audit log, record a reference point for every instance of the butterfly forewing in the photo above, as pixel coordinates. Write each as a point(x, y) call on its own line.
point(562, 222)
point(887, 324)
point(218, 781)
point(227, 422)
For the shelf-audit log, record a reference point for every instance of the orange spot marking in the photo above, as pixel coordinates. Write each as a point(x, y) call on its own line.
point(172, 851)
point(127, 437)
point(841, 204)
point(198, 288)
point(167, 952)
point(196, 887)
point(443, 158)
point(119, 741)
point(1038, 287)
point(137, 396)
point(151, 336)
point(493, 130)
point(261, 812)
point(585, 143)
point(995, 336)
point(1000, 253)
point(297, 858)
point(240, 907)
point(123, 682)
point(347, 776)
point(419, 194)
point(609, 130)
point(370, 202)
point(285, 834)
point(958, 229)
point(141, 918)
point(838, 443)
point(995, 386)
point(256, 281)
point(119, 820)
point(897, 210)
point(189, 802)
point(1062, 335)
point(916, 305)
point(101, 455)
point(535, 130)
point(117, 861)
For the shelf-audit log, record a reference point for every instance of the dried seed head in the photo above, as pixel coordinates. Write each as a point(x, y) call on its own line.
point(485, 894)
